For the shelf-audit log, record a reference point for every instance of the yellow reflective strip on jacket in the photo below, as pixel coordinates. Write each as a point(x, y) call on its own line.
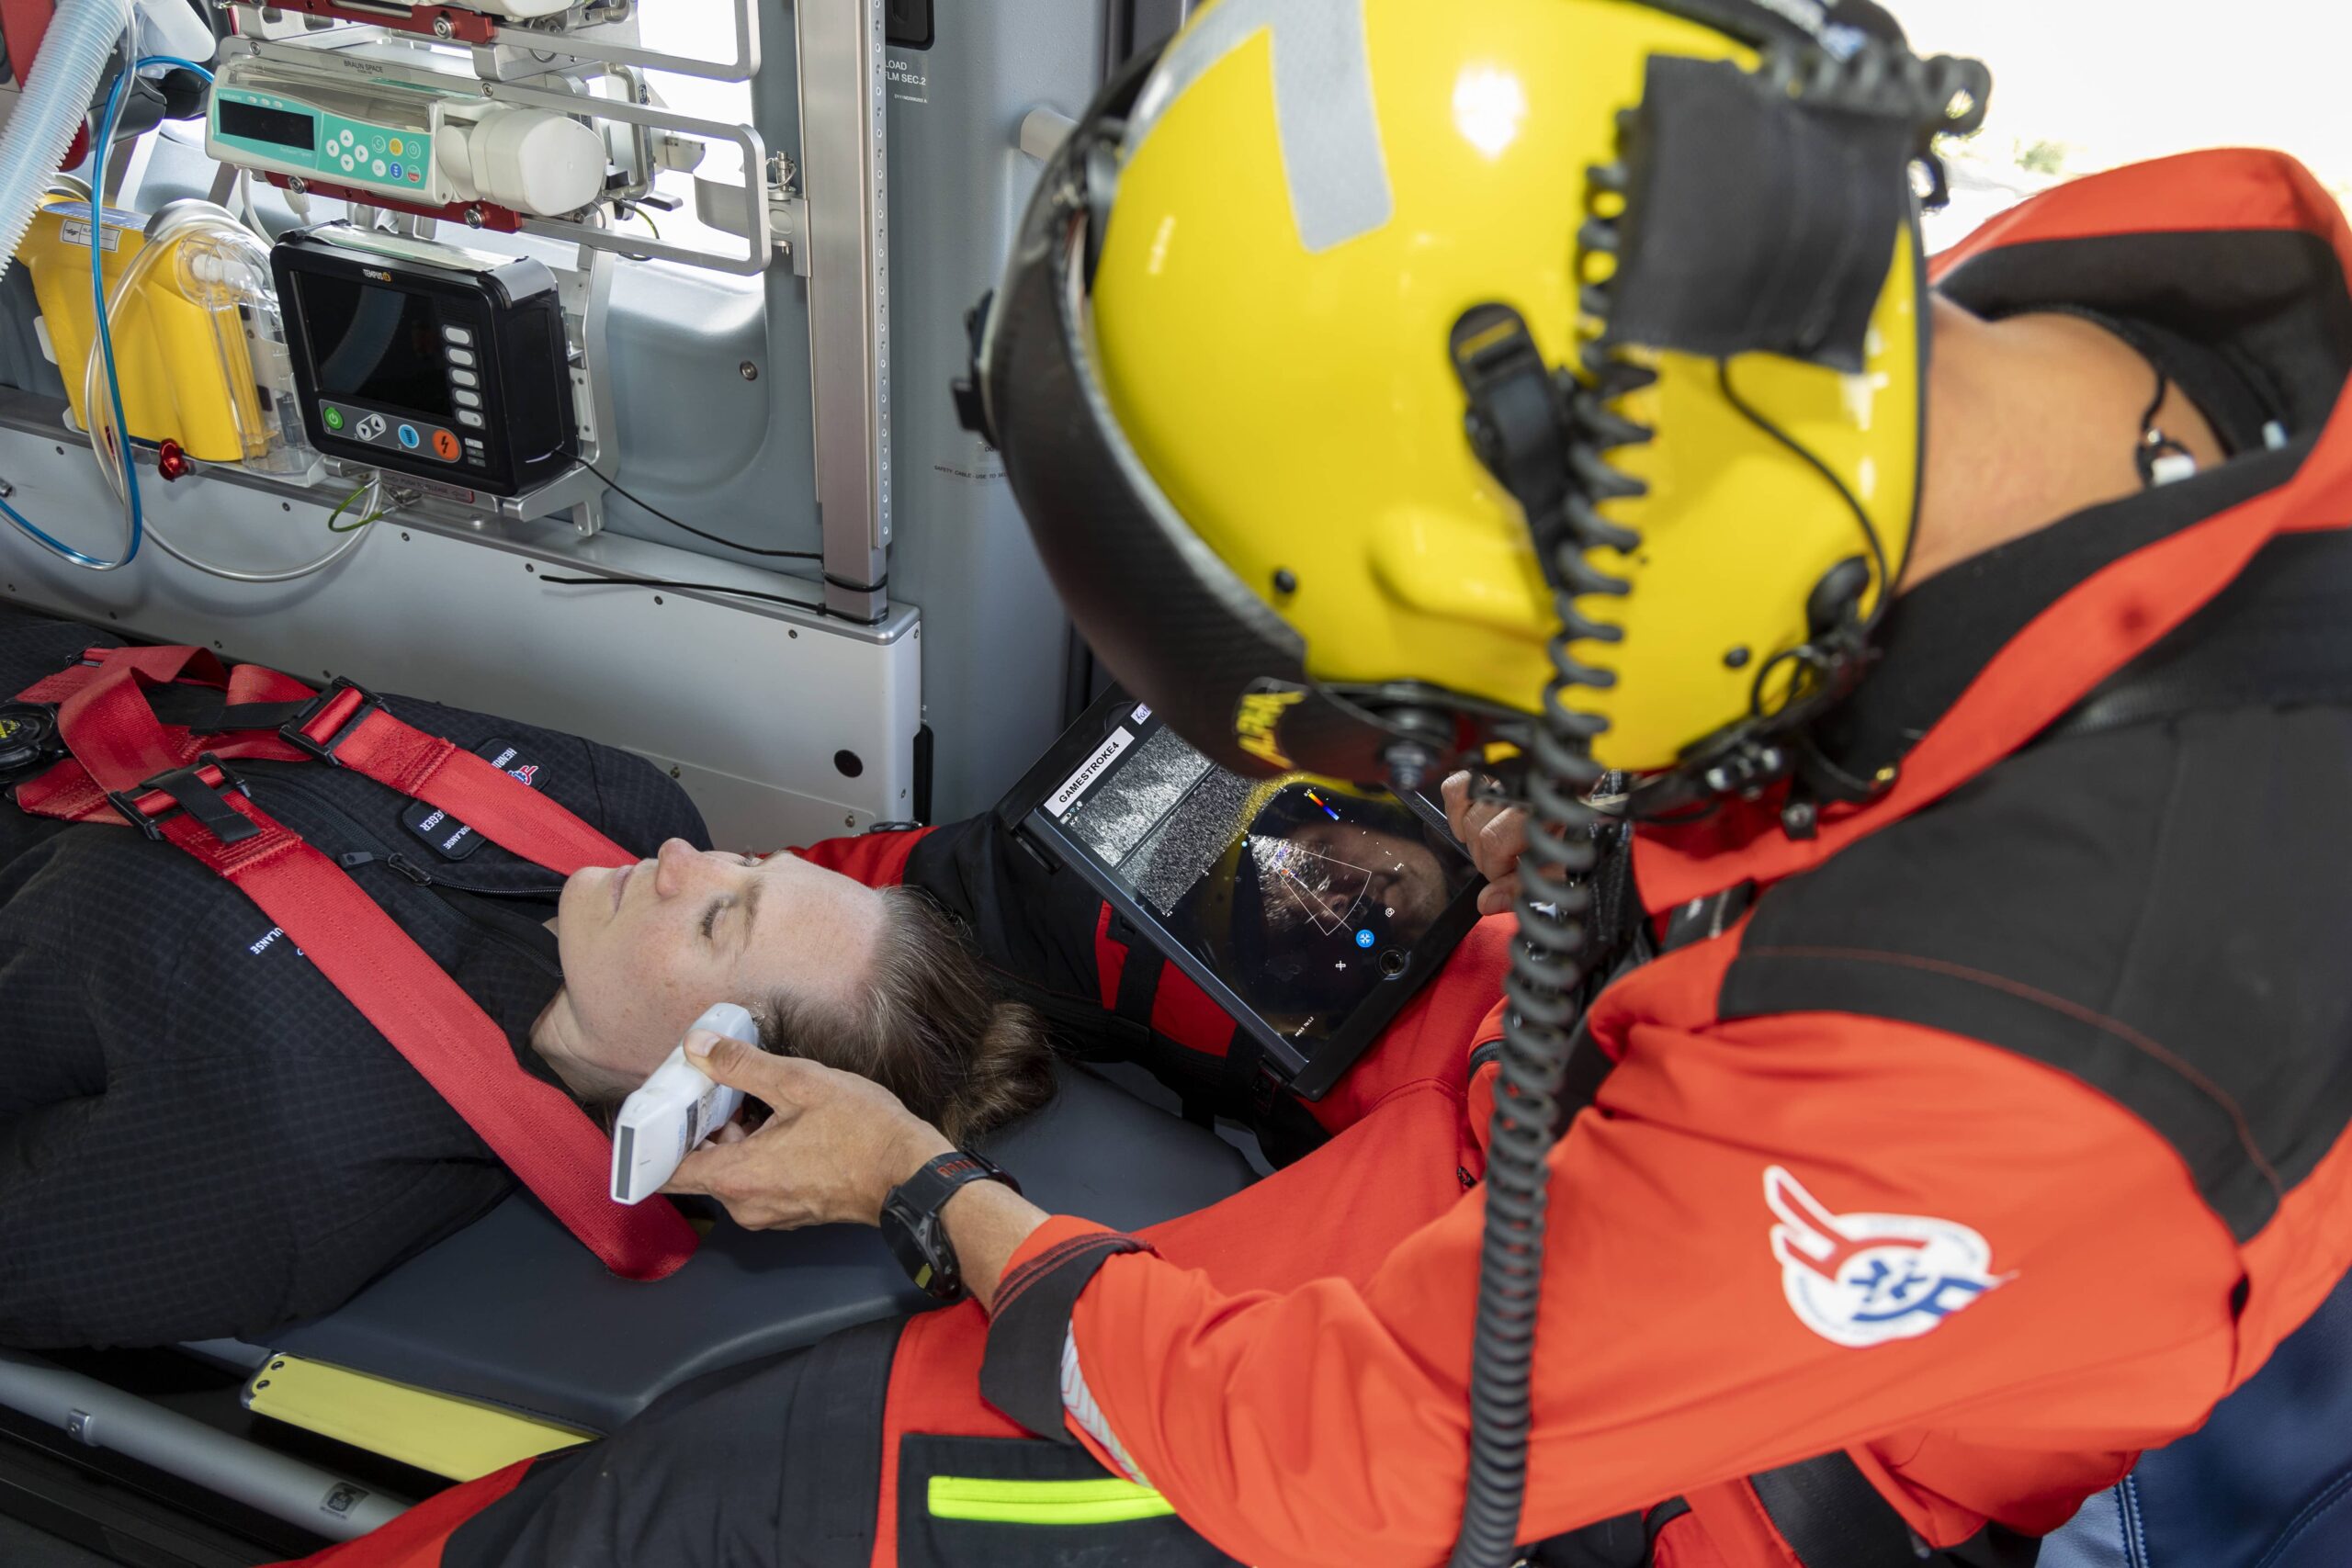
point(455, 1438)
point(1104, 1502)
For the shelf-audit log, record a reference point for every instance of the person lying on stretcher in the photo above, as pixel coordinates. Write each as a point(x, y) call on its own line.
point(200, 1136)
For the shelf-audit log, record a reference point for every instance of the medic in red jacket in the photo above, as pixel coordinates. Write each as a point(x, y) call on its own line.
point(1980, 1119)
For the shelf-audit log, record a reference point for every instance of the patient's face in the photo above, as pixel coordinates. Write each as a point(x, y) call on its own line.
point(648, 947)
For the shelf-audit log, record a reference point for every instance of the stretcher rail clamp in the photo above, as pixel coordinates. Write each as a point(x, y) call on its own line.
point(188, 789)
point(296, 731)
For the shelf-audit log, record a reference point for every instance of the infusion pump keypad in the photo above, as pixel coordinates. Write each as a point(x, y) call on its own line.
point(411, 433)
point(362, 151)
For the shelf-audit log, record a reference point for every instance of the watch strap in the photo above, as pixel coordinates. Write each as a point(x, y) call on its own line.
point(942, 1175)
point(912, 1226)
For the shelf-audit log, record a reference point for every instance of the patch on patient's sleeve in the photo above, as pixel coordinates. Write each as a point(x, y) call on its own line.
point(1864, 1279)
point(444, 834)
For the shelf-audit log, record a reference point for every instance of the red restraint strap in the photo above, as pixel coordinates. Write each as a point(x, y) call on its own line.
point(538, 1131)
point(354, 733)
point(190, 664)
point(427, 768)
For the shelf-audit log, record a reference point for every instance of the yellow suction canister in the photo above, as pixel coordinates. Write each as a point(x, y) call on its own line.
point(180, 335)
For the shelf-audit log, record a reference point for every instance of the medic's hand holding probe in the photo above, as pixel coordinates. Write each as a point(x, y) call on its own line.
point(830, 1153)
point(833, 1148)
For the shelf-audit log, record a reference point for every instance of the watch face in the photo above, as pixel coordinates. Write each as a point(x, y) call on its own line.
point(916, 1242)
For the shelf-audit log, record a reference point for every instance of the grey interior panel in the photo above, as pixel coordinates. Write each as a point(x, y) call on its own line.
point(21, 1546)
point(513, 1311)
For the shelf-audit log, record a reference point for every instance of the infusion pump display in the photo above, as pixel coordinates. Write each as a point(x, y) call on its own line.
point(425, 359)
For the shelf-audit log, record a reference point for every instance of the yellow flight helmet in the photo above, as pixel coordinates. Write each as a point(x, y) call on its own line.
point(1363, 365)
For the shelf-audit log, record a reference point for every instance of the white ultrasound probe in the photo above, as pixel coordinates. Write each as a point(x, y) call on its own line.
point(674, 1109)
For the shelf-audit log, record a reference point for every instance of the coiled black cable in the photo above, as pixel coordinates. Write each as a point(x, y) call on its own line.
point(1549, 963)
point(1547, 972)
point(1546, 984)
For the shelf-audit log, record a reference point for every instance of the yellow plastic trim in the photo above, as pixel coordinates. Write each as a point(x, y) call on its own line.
point(1104, 1502)
point(455, 1438)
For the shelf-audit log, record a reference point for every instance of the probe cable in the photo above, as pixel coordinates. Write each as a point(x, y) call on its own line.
point(624, 492)
point(831, 578)
point(699, 587)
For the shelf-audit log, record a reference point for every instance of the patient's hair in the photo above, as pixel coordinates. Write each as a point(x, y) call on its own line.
point(927, 1026)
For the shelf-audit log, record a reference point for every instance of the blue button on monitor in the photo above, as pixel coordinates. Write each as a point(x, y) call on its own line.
point(409, 438)
point(1364, 938)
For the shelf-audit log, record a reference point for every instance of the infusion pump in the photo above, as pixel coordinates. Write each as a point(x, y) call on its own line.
point(417, 142)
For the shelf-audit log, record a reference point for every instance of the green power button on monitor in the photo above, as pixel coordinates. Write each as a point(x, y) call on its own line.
point(333, 417)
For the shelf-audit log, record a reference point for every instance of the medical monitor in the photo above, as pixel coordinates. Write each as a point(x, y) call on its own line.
point(427, 360)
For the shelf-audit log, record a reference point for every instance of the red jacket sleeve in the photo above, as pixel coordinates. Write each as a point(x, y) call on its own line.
point(1708, 1312)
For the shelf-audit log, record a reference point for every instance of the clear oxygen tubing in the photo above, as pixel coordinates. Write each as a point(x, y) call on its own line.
point(105, 440)
point(182, 220)
point(57, 92)
point(103, 348)
point(81, 38)
point(118, 452)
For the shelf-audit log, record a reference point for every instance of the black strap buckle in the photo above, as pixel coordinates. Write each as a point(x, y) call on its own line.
point(1518, 418)
point(296, 733)
point(28, 740)
point(190, 792)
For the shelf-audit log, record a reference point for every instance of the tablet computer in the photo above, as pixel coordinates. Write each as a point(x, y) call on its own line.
point(1309, 911)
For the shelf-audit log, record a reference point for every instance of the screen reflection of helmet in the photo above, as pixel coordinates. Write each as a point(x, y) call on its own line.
point(1329, 328)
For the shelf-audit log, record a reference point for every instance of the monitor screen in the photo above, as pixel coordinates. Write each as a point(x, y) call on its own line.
point(1304, 896)
point(375, 345)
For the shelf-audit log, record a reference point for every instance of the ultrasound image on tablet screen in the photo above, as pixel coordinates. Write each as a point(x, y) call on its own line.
point(1152, 778)
point(1162, 819)
point(1185, 844)
point(1301, 893)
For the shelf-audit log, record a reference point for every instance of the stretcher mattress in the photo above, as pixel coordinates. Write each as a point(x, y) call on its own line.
point(514, 1312)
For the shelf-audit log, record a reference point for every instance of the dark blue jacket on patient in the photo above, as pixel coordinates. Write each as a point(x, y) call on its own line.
point(199, 1135)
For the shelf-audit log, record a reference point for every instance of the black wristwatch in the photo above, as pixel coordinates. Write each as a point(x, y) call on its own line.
point(910, 1219)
